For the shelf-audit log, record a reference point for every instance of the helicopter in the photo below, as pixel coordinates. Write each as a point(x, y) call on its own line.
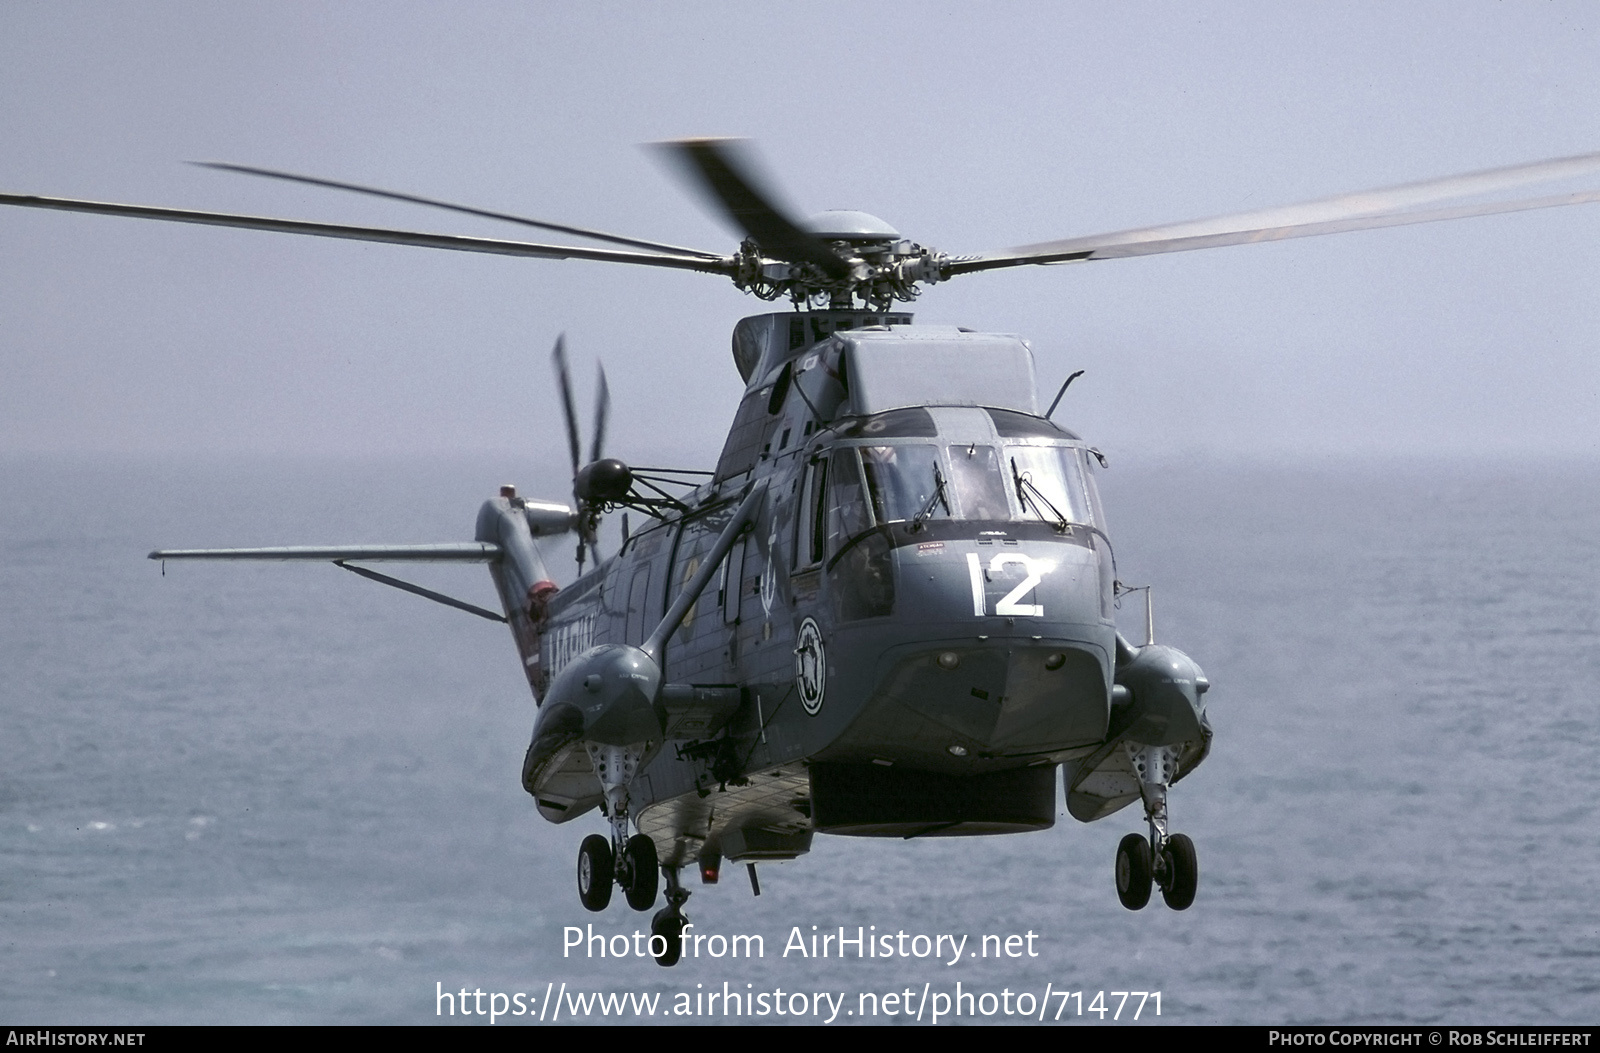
point(889, 609)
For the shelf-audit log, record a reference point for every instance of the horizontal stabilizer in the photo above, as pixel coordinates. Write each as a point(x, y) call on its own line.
point(460, 552)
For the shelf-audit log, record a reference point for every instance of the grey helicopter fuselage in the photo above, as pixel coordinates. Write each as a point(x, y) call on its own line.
point(911, 626)
point(907, 639)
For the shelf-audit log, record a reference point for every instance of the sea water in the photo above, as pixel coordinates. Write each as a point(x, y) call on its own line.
point(278, 793)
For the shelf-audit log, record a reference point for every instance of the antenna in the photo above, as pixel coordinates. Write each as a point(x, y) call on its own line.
point(1051, 411)
point(1149, 612)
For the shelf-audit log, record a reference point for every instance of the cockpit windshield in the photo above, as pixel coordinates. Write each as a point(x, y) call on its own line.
point(1048, 483)
point(916, 482)
point(905, 482)
point(980, 488)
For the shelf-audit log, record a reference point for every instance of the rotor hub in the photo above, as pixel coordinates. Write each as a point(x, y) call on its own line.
point(850, 226)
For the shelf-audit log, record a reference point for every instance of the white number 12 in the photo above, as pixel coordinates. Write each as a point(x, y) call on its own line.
point(1008, 607)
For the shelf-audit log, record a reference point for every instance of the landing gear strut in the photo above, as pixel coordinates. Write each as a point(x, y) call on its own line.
point(627, 861)
point(1166, 860)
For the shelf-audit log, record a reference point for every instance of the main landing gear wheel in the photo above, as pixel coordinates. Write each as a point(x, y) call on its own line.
point(642, 876)
point(596, 871)
point(668, 924)
point(1134, 872)
point(1182, 872)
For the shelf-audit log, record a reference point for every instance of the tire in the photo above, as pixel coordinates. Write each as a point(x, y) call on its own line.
point(668, 924)
point(643, 873)
point(1185, 870)
point(596, 872)
point(1133, 872)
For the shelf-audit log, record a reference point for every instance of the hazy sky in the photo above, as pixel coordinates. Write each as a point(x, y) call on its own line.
point(969, 127)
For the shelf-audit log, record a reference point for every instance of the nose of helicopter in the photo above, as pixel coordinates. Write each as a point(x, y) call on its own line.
point(996, 648)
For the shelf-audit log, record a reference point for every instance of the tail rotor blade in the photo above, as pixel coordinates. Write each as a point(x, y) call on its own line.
point(602, 409)
point(564, 376)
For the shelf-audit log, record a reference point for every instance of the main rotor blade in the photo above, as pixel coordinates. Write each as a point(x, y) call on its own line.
point(560, 228)
point(1364, 210)
point(564, 379)
point(716, 166)
point(602, 410)
point(454, 242)
point(465, 552)
point(1108, 248)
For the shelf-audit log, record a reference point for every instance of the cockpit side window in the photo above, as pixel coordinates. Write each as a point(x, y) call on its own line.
point(847, 506)
point(1093, 490)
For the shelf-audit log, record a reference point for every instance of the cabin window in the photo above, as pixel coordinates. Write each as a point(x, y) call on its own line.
point(686, 572)
point(732, 590)
point(810, 522)
point(638, 600)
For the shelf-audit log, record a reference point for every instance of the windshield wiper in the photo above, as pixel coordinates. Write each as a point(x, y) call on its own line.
point(1022, 480)
point(938, 495)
